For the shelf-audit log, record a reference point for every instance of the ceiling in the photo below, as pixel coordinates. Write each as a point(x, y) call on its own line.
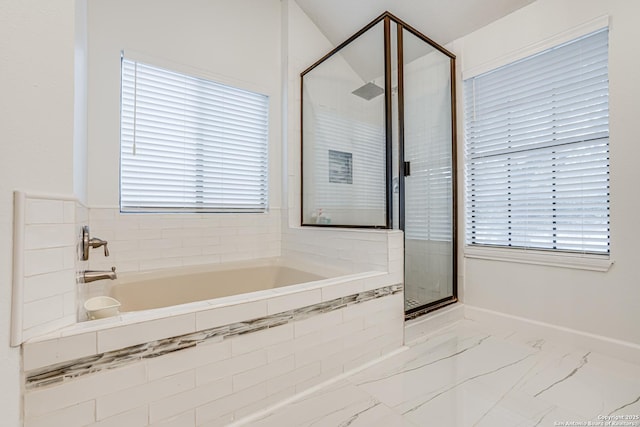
point(441, 20)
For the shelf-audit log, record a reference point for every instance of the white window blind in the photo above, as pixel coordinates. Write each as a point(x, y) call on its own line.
point(537, 150)
point(190, 144)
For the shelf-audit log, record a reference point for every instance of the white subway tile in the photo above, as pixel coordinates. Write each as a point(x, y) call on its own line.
point(141, 395)
point(49, 284)
point(102, 213)
point(138, 333)
point(182, 252)
point(201, 241)
point(77, 415)
point(179, 403)
point(69, 257)
point(186, 419)
point(228, 404)
point(135, 234)
point(39, 354)
point(317, 322)
point(361, 358)
point(318, 352)
point(159, 223)
point(184, 360)
point(165, 243)
point(293, 378)
point(230, 314)
point(88, 387)
point(69, 304)
point(69, 212)
point(43, 211)
point(42, 311)
point(261, 374)
point(180, 233)
point(228, 367)
point(291, 301)
point(40, 261)
point(205, 258)
point(222, 421)
point(342, 289)
point(160, 263)
point(219, 232)
point(42, 236)
point(324, 376)
point(257, 340)
point(81, 215)
point(368, 308)
point(138, 417)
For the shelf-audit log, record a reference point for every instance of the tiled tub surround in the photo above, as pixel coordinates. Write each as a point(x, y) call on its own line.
point(212, 362)
point(44, 264)
point(144, 242)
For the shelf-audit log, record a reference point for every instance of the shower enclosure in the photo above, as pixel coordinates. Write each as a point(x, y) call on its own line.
point(378, 149)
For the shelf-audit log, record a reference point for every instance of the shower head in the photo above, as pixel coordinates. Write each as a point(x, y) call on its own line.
point(368, 91)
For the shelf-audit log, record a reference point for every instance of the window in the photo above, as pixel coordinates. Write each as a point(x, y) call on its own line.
point(537, 150)
point(190, 144)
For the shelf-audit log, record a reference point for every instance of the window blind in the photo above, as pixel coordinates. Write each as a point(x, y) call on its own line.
point(190, 144)
point(537, 150)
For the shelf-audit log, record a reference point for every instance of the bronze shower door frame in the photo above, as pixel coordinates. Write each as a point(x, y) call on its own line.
point(388, 18)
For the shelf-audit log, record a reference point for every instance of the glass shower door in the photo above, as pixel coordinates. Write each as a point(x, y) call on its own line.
point(427, 163)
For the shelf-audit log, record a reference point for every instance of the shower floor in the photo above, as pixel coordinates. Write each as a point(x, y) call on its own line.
point(473, 375)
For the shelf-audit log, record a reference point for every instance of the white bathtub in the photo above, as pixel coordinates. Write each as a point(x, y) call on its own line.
point(214, 343)
point(144, 291)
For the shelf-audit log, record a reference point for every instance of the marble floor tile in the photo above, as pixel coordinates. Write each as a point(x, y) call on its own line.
point(472, 375)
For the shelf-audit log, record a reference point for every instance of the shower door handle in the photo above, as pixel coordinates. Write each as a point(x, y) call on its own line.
point(407, 168)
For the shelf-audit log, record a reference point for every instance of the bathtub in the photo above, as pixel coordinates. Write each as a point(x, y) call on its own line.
point(145, 291)
point(212, 344)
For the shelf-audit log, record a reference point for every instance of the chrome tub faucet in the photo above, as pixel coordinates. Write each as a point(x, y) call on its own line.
point(89, 276)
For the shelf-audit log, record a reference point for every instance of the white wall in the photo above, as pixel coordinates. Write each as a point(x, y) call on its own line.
point(598, 303)
point(36, 110)
point(232, 42)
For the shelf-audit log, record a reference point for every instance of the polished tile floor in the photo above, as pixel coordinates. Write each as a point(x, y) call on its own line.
point(472, 375)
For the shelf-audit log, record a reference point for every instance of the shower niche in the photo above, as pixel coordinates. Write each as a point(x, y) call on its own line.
point(378, 149)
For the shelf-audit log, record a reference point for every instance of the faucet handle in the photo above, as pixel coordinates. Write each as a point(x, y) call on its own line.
point(93, 242)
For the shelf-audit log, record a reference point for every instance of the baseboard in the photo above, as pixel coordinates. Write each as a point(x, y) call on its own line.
point(601, 344)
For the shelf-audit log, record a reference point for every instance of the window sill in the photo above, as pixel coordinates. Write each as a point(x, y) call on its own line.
point(577, 261)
